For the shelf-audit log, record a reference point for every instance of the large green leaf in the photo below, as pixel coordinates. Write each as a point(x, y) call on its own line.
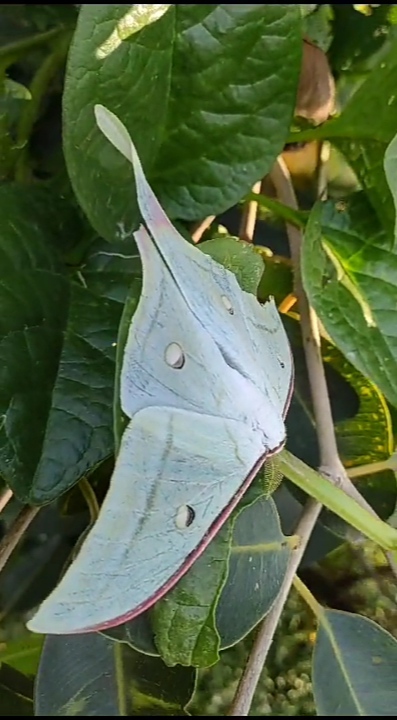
point(239, 257)
point(184, 621)
point(57, 349)
point(16, 693)
point(354, 667)
point(257, 566)
point(22, 654)
point(206, 92)
point(390, 165)
point(90, 675)
point(350, 276)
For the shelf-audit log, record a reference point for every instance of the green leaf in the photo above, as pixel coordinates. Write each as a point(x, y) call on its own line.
point(354, 667)
point(237, 256)
point(184, 621)
point(137, 633)
point(57, 349)
point(23, 655)
point(356, 37)
point(363, 130)
point(89, 675)
point(16, 90)
point(206, 92)
point(16, 692)
point(366, 159)
point(390, 165)
point(365, 438)
point(350, 276)
point(319, 26)
point(258, 561)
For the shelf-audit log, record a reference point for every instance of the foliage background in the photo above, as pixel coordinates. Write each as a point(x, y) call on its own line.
point(64, 197)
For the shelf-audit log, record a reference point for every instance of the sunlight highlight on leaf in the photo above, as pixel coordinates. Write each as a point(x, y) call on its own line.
point(137, 17)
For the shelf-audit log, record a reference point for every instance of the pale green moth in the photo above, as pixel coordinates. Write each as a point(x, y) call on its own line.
point(206, 381)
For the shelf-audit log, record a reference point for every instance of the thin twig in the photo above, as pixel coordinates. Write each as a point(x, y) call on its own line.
point(198, 229)
point(249, 215)
point(287, 304)
point(5, 498)
point(331, 465)
point(253, 669)
point(15, 532)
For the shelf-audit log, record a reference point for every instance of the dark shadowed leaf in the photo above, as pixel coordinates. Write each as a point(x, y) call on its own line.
point(57, 349)
point(16, 693)
point(101, 677)
point(137, 633)
point(356, 36)
point(258, 561)
point(354, 667)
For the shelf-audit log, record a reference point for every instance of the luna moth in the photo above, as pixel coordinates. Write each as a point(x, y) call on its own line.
point(206, 380)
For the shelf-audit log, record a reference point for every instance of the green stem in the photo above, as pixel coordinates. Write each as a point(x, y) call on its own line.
point(338, 501)
point(295, 217)
point(38, 89)
point(307, 596)
point(90, 498)
point(11, 52)
point(371, 468)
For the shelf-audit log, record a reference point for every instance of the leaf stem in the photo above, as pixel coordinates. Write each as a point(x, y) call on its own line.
point(38, 89)
point(307, 596)
point(90, 498)
point(15, 533)
point(253, 669)
point(336, 500)
point(372, 468)
point(11, 52)
point(282, 211)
